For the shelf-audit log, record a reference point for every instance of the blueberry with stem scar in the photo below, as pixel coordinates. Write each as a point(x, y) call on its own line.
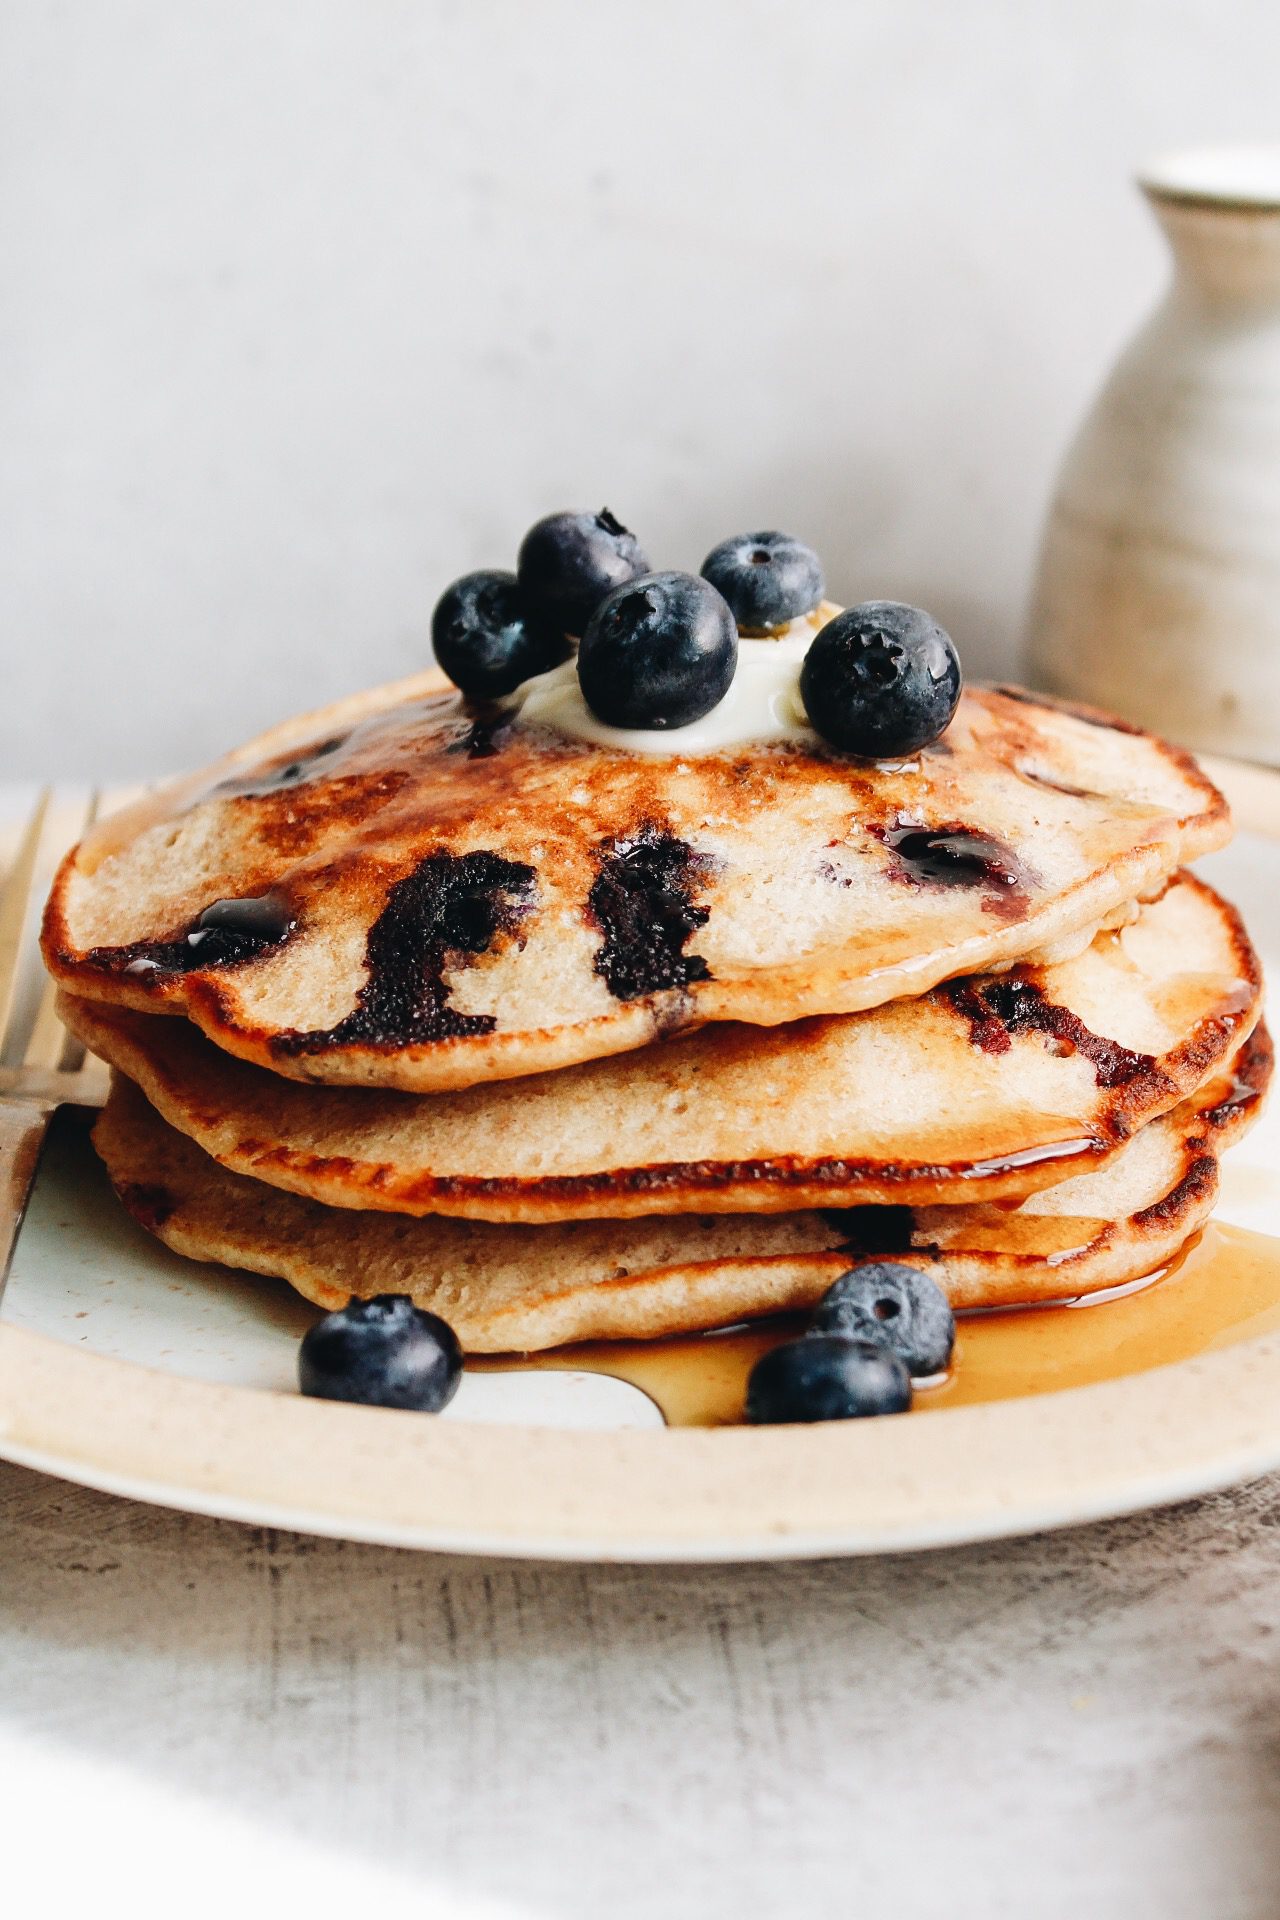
point(895, 1304)
point(881, 680)
point(767, 578)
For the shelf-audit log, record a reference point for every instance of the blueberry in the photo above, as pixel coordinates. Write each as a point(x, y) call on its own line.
point(383, 1352)
point(898, 1305)
point(826, 1376)
point(659, 652)
point(569, 561)
point(767, 578)
point(488, 638)
point(880, 680)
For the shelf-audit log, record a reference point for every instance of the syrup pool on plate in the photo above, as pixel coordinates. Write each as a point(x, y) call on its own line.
point(1226, 1289)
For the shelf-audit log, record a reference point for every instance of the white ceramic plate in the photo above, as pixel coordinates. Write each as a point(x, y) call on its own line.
point(126, 1368)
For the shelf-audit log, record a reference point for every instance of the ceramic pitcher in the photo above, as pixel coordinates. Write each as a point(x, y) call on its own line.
point(1158, 589)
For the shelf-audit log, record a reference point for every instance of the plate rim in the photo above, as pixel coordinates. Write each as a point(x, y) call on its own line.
point(965, 1474)
point(962, 1475)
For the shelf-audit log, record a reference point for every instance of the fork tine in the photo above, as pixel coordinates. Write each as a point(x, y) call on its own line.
point(89, 1076)
point(49, 1040)
point(39, 1061)
point(50, 1046)
point(14, 900)
point(89, 1086)
point(33, 1047)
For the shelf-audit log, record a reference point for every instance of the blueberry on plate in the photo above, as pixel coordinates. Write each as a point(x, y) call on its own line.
point(383, 1352)
point(489, 638)
point(569, 561)
point(826, 1376)
point(880, 680)
point(895, 1304)
point(767, 578)
point(659, 652)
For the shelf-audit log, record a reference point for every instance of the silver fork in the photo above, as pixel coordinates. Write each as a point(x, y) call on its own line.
point(41, 1066)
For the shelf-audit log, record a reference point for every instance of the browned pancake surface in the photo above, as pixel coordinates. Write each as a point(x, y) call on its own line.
point(507, 1288)
point(444, 900)
point(983, 1088)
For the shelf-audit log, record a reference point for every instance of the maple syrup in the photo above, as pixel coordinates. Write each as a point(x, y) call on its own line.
point(1224, 1290)
point(116, 831)
point(959, 856)
point(226, 933)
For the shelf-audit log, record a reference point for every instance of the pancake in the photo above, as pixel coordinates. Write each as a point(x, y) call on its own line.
point(981, 1089)
point(512, 1288)
point(440, 898)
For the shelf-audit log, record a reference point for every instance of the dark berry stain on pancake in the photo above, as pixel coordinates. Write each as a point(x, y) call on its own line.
point(642, 900)
point(449, 906)
point(1040, 778)
point(954, 855)
point(263, 920)
point(998, 1009)
point(150, 1206)
point(226, 934)
point(481, 741)
point(482, 733)
point(873, 1229)
point(312, 763)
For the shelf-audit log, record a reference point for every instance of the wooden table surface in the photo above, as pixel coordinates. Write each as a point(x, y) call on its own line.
point(1083, 1722)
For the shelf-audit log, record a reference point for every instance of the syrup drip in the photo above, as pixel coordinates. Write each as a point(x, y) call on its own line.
point(312, 762)
point(957, 856)
point(226, 933)
point(1224, 1290)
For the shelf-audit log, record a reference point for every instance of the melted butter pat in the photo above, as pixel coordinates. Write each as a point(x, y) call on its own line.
point(1226, 1289)
point(763, 702)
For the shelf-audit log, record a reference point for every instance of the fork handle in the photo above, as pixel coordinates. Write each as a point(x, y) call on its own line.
point(23, 1125)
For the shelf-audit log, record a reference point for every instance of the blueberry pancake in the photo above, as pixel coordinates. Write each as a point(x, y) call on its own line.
point(703, 941)
point(986, 1088)
point(407, 890)
point(514, 1288)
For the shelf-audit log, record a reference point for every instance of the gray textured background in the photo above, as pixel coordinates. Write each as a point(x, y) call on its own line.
point(307, 306)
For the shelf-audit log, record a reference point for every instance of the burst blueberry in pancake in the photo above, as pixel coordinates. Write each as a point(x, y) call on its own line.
point(986, 1088)
point(428, 959)
point(514, 1288)
point(452, 898)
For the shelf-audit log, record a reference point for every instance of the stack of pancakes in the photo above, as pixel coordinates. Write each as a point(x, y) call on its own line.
point(571, 1043)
